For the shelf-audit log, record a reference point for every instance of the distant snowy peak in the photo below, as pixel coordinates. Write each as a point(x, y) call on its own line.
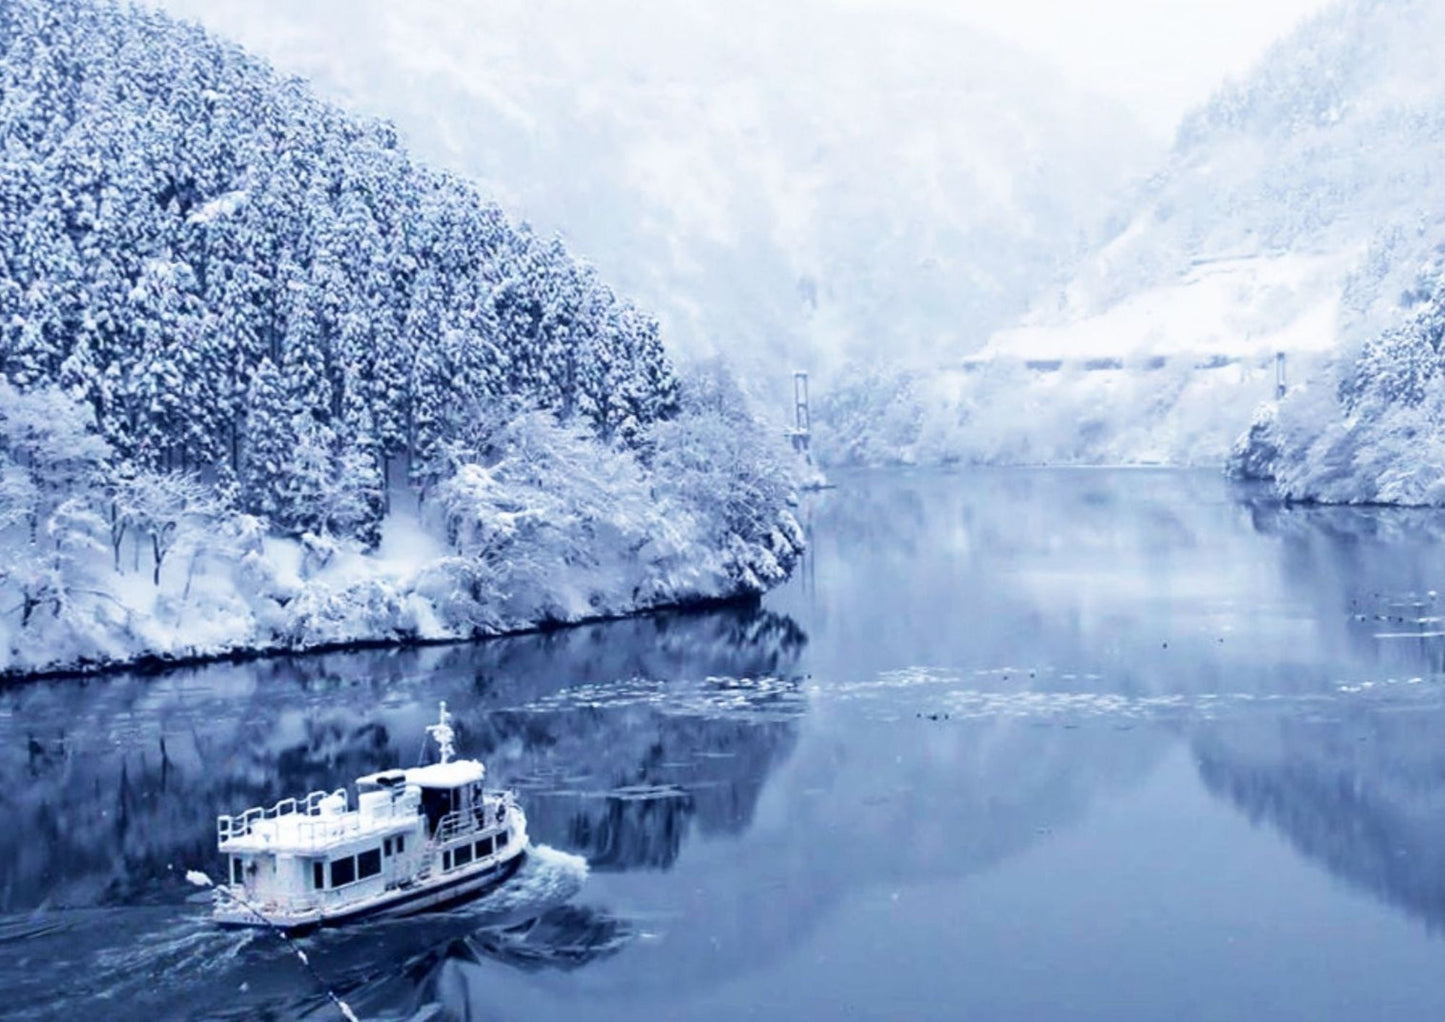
point(784, 182)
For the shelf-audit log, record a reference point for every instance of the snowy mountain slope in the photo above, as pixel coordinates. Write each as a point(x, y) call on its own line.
point(245, 340)
point(1248, 306)
point(1330, 148)
point(796, 183)
point(1291, 215)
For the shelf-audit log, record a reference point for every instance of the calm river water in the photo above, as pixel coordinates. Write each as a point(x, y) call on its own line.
point(1013, 745)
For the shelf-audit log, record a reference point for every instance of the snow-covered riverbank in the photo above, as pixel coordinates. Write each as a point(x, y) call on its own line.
point(1370, 431)
point(282, 597)
point(551, 528)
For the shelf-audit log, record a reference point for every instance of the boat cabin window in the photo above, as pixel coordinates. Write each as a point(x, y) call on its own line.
point(446, 860)
point(400, 843)
point(484, 847)
point(462, 855)
point(386, 847)
point(504, 838)
point(343, 871)
point(368, 863)
point(236, 870)
point(318, 875)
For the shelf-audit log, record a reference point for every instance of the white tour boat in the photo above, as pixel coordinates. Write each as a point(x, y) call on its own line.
point(417, 839)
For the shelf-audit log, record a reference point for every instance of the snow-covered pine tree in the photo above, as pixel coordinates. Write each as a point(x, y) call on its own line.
point(306, 493)
point(270, 440)
point(433, 396)
point(174, 217)
point(304, 351)
point(360, 501)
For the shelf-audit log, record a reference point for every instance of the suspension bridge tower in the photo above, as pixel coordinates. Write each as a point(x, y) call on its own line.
point(802, 431)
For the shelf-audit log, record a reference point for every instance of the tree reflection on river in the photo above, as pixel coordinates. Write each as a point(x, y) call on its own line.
point(1034, 744)
point(117, 780)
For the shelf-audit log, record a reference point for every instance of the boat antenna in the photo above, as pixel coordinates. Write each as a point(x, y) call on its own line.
point(443, 733)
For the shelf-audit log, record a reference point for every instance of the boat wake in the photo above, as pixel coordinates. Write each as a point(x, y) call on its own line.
point(546, 877)
point(172, 961)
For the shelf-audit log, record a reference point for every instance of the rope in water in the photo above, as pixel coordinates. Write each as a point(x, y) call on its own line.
point(202, 880)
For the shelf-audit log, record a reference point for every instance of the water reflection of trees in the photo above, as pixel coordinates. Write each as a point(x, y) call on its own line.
point(111, 786)
point(1363, 795)
point(871, 807)
point(1368, 573)
point(653, 779)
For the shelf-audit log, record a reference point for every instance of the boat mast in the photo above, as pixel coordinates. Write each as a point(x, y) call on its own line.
point(443, 733)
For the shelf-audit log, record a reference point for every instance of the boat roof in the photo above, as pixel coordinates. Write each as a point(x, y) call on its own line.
point(438, 775)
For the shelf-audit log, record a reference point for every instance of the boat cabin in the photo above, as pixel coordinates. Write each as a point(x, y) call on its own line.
point(317, 850)
point(445, 788)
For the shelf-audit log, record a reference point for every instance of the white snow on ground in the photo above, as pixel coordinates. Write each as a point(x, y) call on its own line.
point(1168, 375)
point(263, 592)
point(1243, 306)
point(553, 527)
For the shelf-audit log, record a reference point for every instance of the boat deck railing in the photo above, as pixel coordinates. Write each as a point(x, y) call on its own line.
point(239, 905)
point(228, 827)
point(475, 819)
point(305, 823)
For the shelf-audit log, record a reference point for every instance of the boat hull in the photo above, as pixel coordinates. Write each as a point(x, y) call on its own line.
point(425, 896)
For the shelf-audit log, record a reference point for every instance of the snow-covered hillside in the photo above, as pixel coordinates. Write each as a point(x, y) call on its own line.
point(266, 382)
point(788, 184)
point(1291, 215)
point(1371, 431)
point(1330, 150)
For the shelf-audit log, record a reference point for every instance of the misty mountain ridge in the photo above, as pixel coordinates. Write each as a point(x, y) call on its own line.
point(1292, 216)
point(1329, 148)
point(795, 185)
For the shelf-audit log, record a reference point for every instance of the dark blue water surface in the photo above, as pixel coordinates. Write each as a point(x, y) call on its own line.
point(1014, 745)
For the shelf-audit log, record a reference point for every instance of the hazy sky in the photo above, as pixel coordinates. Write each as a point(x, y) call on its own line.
point(1158, 57)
